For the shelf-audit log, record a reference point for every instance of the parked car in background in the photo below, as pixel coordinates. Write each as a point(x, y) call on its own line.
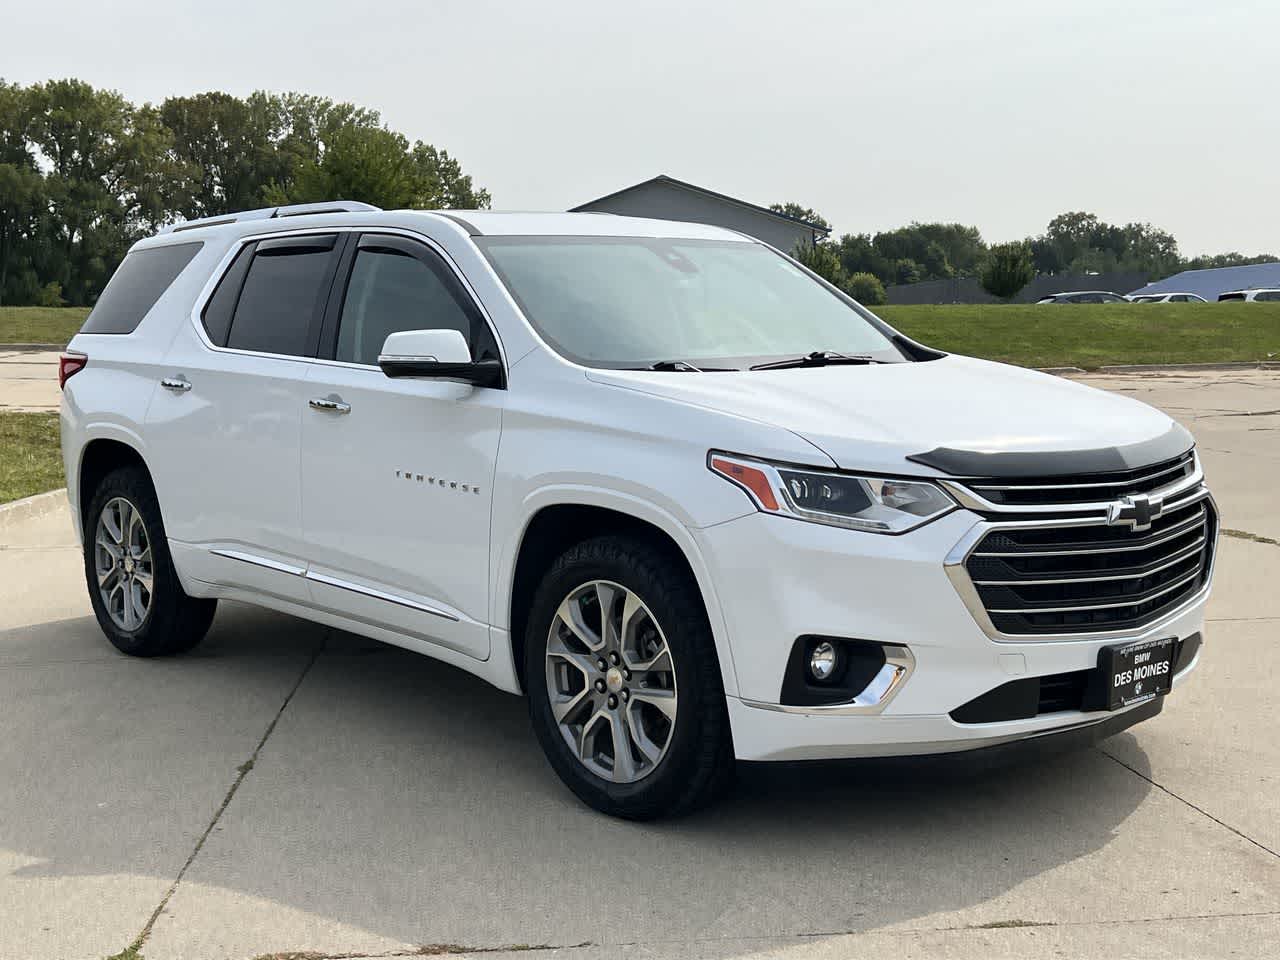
point(692, 501)
point(1250, 296)
point(1168, 298)
point(1084, 296)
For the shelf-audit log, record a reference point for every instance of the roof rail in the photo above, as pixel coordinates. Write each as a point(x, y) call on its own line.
point(268, 213)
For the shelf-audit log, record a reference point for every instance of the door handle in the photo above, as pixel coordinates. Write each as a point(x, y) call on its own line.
point(329, 405)
point(176, 384)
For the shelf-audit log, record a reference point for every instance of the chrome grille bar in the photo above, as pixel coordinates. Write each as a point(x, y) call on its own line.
point(1135, 601)
point(1030, 581)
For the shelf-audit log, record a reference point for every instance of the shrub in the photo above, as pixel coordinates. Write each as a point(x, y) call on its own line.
point(50, 295)
point(866, 288)
point(822, 259)
point(1008, 270)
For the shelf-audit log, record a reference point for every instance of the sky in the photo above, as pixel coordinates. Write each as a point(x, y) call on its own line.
point(999, 114)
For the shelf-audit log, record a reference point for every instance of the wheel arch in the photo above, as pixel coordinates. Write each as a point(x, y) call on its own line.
point(99, 456)
point(555, 520)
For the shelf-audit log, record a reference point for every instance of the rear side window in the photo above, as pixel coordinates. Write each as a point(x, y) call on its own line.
point(284, 292)
point(1231, 296)
point(141, 279)
point(1268, 295)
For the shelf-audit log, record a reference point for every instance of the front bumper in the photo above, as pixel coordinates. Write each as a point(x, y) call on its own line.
point(778, 578)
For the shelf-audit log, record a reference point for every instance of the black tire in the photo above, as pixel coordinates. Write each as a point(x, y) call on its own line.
point(174, 622)
point(698, 763)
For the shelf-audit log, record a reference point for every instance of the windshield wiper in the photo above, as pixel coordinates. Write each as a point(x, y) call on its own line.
point(819, 358)
point(682, 366)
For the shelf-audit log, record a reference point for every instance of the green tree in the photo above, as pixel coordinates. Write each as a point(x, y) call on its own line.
point(225, 150)
point(1008, 270)
point(801, 212)
point(441, 183)
point(372, 165)
point(858, 255)
point(866, 288)
point(97, 161)
point(21, 193)
point(822, 259)
point(1232, 259)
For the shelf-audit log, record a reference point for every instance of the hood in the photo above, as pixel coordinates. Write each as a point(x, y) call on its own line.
point(952, 416)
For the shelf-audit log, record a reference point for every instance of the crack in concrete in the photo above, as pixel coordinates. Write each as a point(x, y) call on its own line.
point(424, 950)
point(1246, 535)
point(446, 949)
point(134, 950)
point(1222, 823)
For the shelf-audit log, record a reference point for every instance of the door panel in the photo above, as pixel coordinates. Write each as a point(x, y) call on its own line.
point(225, 422)
point(396, 500)
point(227, 461)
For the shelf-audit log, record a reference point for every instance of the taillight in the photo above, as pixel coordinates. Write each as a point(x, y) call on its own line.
point(68, 365)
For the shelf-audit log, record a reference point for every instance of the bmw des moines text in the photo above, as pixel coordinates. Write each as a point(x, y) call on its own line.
point(690, 500)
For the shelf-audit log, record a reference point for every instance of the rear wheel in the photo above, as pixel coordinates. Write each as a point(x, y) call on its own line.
point(623, 680)
point(133, 586)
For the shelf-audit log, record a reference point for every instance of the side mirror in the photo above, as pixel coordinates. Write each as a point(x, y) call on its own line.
point(437, 354)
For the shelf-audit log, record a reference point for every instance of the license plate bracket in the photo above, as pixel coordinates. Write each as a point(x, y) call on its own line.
point(1137, 672)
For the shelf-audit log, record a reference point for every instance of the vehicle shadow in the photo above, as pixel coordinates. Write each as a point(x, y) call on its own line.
point(402, 797)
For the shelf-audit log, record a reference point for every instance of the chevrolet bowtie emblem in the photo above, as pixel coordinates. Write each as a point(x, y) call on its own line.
point(1135, 512)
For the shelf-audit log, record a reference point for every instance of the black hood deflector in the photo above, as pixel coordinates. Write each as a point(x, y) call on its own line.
point(1058, 463)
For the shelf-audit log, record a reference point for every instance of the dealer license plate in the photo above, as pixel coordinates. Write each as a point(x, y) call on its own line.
point(1137, 672)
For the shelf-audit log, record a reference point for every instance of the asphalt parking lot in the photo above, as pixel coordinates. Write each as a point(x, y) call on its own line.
point(286, 789)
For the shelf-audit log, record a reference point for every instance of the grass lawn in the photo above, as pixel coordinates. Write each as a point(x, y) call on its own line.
point(1077, 335)
point(30, 456)
point(40, 324)
point(1094, 335)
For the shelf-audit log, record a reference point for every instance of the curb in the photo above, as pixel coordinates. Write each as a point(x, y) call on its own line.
point(1058, 371)
point(1153, 367)
point(32, 508)
point(42, 347)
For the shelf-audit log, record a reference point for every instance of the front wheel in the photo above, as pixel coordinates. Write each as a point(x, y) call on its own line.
point(624, 684)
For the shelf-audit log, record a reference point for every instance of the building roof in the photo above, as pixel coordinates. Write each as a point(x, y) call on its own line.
point(1212, 281)
point(662, 178)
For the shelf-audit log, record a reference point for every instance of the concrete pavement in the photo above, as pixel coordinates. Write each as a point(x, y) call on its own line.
point(289, 790)
point(28, 379)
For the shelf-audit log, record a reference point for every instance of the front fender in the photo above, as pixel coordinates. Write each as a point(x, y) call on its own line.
point(632, 505)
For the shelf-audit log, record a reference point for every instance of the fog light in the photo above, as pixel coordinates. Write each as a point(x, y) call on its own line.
point(822, 662)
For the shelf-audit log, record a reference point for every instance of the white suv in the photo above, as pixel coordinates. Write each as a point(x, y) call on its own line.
point(692, 501)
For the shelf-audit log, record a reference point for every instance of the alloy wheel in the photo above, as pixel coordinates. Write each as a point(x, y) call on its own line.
point(611, 681)
point(122, 561)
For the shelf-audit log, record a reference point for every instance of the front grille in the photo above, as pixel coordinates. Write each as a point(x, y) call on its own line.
point(1095, 488)
point(1092, 578)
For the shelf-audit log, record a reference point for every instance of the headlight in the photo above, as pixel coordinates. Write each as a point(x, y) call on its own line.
point(873, 504)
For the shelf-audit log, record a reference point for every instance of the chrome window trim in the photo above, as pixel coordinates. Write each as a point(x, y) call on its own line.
point(899, 664)
point(211, 284)
point(973, 501)
point(954, 567)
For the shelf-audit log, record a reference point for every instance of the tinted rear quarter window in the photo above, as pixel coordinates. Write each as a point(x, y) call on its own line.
point(1231, 296)
point(283, 294)
point(218, 311)
point(139, 281)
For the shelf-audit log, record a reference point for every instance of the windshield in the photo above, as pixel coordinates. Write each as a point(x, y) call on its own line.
point(635, 301)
